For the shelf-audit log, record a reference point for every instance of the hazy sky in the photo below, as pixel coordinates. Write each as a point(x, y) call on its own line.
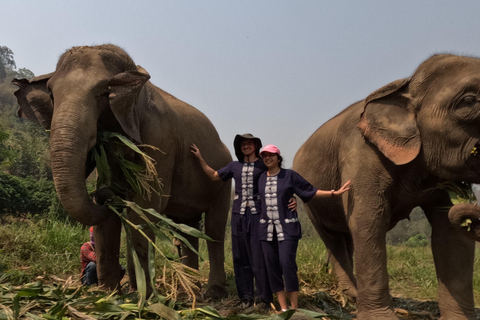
point(277, 69)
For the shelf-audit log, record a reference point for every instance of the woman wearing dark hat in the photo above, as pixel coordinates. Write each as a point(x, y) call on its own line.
point(248, 261)
point(279, 228)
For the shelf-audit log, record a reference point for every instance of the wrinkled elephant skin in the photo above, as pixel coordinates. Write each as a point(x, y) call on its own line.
point(100, 88)
point(395, 146)
point(459, 215)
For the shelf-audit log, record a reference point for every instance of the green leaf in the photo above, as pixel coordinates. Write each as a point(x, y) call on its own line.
point(165, 311)
point(151, 269)
point(103, 169)
point(284, 315)
point(141, 281)
point(317, 315)
point(459, 192)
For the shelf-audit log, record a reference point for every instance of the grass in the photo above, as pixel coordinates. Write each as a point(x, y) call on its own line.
point(39, 247)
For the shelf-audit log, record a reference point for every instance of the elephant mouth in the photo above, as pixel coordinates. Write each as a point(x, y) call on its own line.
point(475, 150)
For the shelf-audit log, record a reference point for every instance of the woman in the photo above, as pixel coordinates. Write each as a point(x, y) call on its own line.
point(248, 261)
point(279, 227)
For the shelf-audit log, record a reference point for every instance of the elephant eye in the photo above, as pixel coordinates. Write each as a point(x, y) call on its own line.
point(469, 100)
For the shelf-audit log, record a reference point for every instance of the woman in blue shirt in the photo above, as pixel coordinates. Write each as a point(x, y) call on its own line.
point(279, 227)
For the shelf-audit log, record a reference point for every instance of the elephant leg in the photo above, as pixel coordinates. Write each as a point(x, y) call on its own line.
point(340, 248)
point(453, 255)
point(190, 258)
point(369, 231)
point(107, 249)
point(215, 223)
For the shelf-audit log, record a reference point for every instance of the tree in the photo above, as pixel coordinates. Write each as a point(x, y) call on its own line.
point(7, 63)
point(4, 152)
point(24, 73)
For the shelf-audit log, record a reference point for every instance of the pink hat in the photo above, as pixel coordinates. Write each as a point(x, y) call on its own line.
point(270, 148)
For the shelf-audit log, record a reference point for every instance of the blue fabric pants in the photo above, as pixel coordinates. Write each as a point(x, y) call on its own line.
point(280, 258)
point(90, 274)
point(248, 260)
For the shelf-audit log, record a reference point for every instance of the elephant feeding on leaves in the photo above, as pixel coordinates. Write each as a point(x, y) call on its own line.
point(100, 88)
point(395, 146)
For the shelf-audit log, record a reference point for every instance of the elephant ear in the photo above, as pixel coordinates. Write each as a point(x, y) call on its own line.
point(388, 121)
point(34, 100)
point(124, 89)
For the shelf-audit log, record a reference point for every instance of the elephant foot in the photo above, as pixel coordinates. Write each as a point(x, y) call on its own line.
point(110, 287)
point(215, 293)
point(388, 314)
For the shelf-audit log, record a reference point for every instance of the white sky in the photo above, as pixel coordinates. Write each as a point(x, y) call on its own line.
point(275, 68)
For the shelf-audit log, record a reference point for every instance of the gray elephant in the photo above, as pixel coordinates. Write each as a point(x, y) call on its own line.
point(395, 146)
point(100, 88)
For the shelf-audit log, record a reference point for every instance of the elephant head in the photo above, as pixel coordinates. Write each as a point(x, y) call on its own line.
point(88, 82)
point(432, 117)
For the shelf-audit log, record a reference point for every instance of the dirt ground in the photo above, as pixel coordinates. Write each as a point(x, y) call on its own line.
point(323, 301)
point(334, 305)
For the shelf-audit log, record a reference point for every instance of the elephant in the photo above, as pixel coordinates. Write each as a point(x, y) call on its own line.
point(396, 146)
point(96, 88)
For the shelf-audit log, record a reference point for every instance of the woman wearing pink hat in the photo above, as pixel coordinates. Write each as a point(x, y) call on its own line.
point(279, 226)
point(248, 261)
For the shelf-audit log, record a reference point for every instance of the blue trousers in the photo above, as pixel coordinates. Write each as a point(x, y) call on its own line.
point(280, 258)
point(248, 260)
point(90, 274)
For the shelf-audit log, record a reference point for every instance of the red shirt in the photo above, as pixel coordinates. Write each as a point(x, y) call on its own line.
point(87, 255)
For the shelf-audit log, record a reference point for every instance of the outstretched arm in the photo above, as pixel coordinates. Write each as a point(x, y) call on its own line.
point(212, 174)
point(333, 193)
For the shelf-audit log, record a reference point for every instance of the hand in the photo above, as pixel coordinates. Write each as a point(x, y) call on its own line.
point(292, 204)
point(195, 151)
point(344, 188)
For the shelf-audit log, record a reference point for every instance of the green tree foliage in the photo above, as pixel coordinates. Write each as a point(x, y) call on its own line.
point(25, 195)
point(418, 240)
point(29, 151)
point(24, 73)
point(7, 73)
point(415, 228)
point(4, 151)
point(25, 176)
point(7, 63)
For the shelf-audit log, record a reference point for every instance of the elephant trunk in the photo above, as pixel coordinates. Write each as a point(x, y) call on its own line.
point(466, 218)
point(72, 135)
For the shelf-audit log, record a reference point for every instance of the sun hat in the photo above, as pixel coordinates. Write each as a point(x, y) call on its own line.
point(237, 144)
point(270, 148)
